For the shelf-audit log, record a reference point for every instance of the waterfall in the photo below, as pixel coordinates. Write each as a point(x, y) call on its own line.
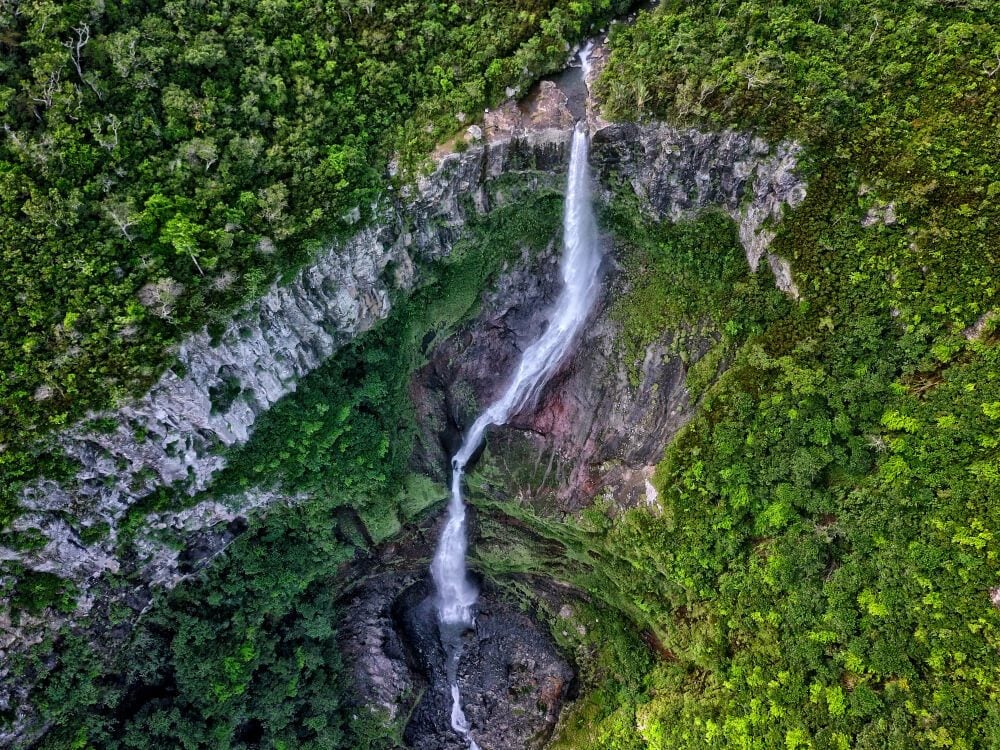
point(581, 258)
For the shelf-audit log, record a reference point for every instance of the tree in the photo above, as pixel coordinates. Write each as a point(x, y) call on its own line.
point(182, 234)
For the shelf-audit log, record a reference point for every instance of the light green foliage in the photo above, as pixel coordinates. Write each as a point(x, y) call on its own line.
point(702, 373)
point(822, 565)
point(161, 162)
point(819, 575)
point(35, 591)
point(418, 494)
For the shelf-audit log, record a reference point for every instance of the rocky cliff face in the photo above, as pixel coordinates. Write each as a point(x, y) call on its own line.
point(513, 679)
point(593, 430)
point(678, 172)
point(212, 397)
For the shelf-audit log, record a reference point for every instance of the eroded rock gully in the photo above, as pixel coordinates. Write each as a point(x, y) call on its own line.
point(592, 431)
point(265, 351)
point(513, 679)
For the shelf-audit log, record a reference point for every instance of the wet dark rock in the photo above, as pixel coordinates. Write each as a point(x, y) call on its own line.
point(513, 680)
point(462, 376)
point(372, 647)
point(591, 430)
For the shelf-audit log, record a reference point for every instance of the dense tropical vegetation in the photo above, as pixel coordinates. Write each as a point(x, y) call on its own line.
point(246, 656)
point(162, 162)
point(820, 572)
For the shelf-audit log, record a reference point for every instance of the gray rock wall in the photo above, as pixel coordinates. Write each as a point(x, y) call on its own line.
point(270, 345)
point(174, 434)
point(679, 172)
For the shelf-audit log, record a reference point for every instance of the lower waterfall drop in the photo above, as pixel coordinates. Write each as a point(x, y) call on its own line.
point(581, 259)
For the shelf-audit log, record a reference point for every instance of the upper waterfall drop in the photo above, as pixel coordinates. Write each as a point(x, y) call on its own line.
point(581, 260)
point(579, 266)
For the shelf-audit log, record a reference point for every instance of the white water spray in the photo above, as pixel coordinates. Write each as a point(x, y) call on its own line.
point(580, 262)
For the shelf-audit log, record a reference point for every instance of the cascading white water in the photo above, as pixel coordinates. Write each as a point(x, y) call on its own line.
point(580, 262)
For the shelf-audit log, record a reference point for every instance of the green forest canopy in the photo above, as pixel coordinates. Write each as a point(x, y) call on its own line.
point(162, 162)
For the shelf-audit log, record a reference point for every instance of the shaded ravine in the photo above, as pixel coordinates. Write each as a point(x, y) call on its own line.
point(456, 594)
point(176, 430)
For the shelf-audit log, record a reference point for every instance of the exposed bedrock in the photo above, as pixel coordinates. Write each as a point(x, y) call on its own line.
point(678, 173)
point(513, 680)
point(593, 430)
point(173, 435)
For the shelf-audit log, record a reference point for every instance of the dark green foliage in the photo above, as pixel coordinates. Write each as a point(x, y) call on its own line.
point(245, 658)
point(161, 162)
point(35, 591)
point(820, 572)
point(246, 655)
point(824, 577)
point(687, 277)
point(822, 566)
point(894, 101)
point(346, 429)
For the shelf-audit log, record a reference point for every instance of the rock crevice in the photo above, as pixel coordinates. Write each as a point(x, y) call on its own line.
point(211, 399)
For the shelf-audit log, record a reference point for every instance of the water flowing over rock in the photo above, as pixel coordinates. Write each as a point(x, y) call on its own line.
point(220, 385)
point(586, 418)
point(173, 435)
point(593, 430)
point(512, 679)
point(579, 266)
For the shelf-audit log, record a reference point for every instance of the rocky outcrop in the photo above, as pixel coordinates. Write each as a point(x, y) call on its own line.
point(678, 172)
point(513, 680)
point(211, 398)
point(675, 172)
point(593, 430)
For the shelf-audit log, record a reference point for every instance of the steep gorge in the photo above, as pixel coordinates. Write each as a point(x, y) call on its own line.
point(600, 430)
point(754, 503)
